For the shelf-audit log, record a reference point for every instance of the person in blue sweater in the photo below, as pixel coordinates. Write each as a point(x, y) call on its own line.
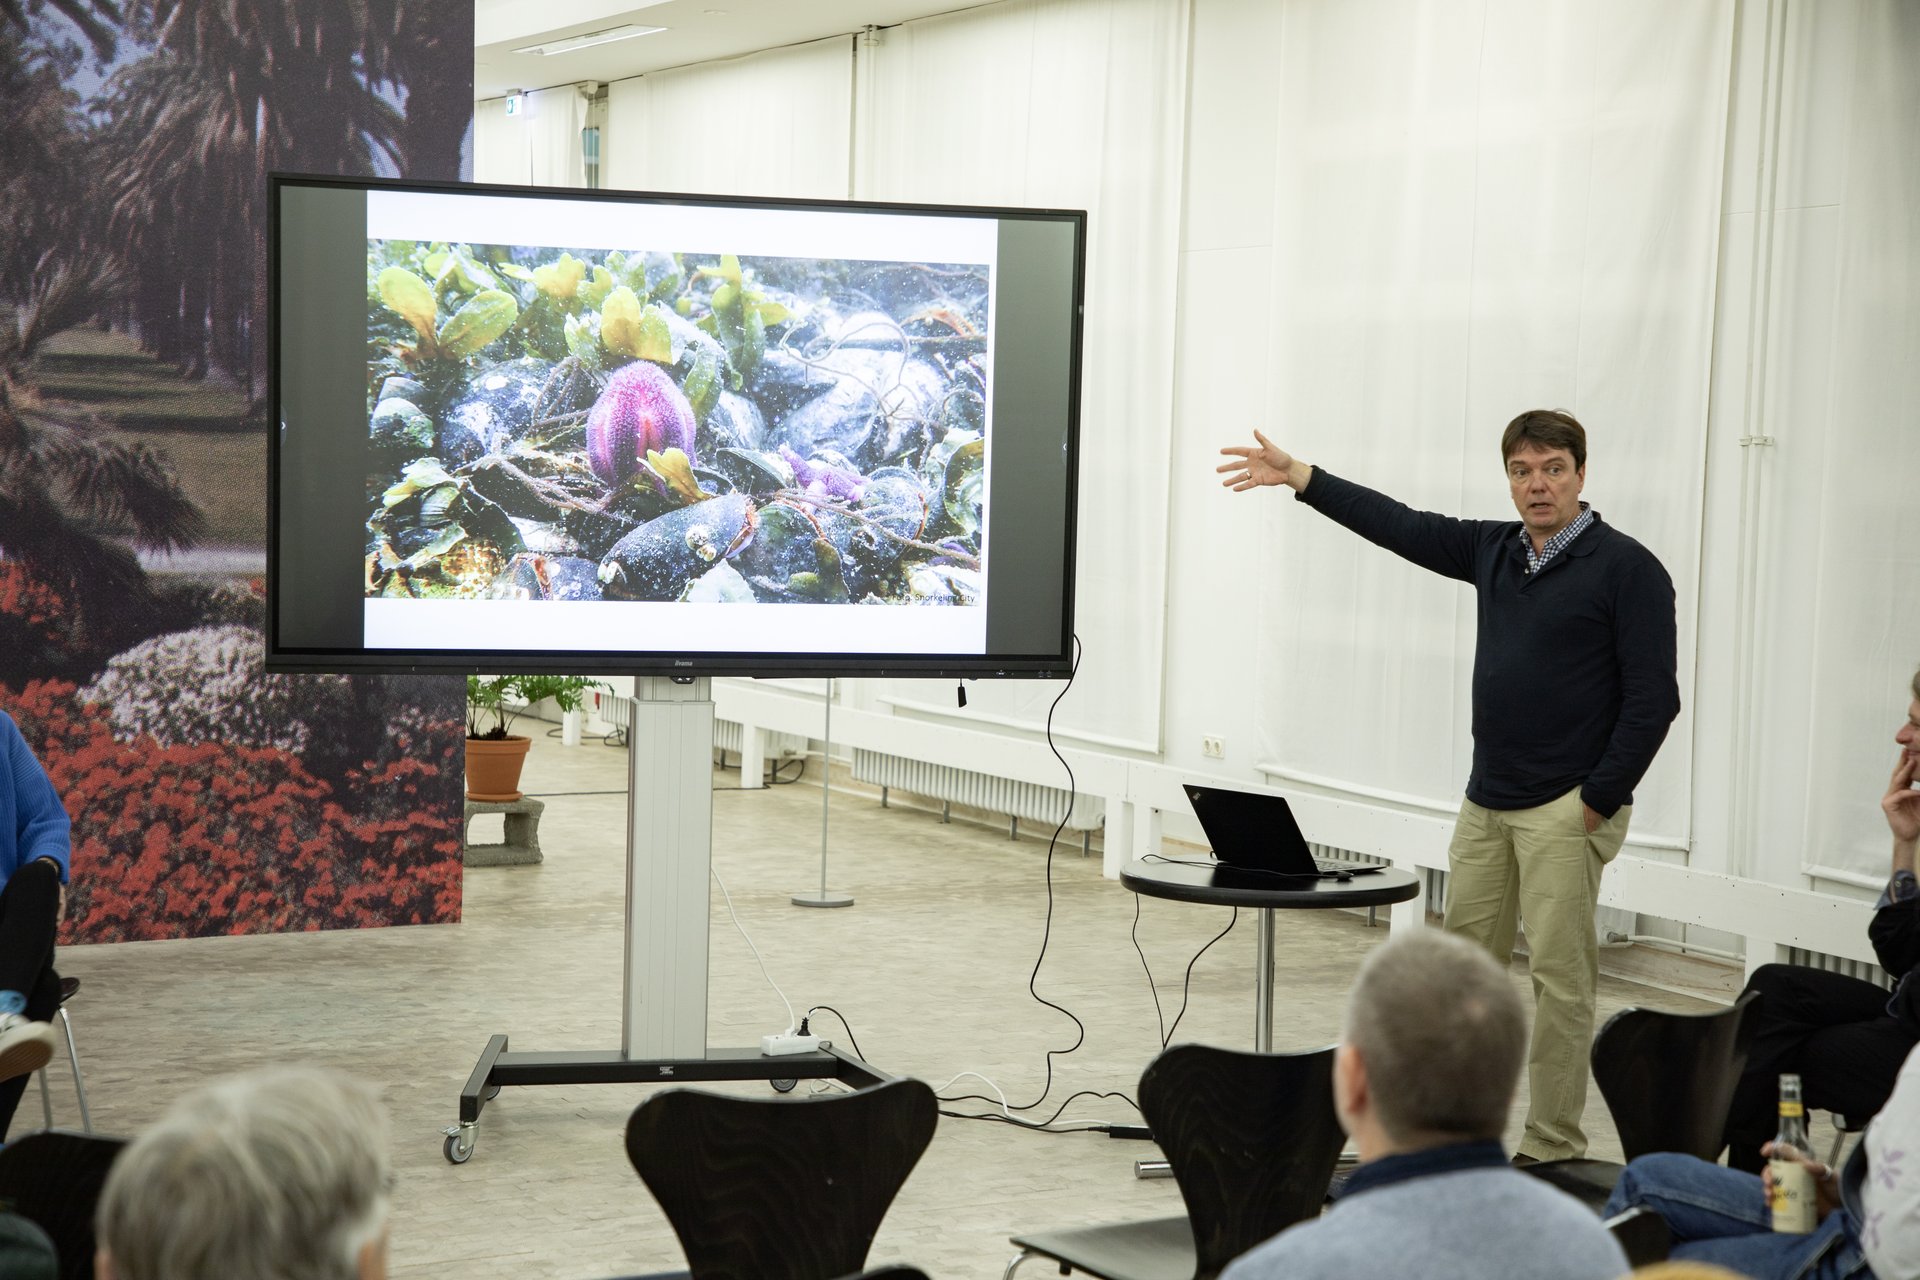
point(1573, 691)
point(1422, 1081)
point(35, 856)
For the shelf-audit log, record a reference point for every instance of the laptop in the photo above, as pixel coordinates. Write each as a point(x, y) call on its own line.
point(1256, 832)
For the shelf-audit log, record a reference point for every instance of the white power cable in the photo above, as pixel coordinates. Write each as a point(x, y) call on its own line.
point(998, 1092)
point(792, 1024)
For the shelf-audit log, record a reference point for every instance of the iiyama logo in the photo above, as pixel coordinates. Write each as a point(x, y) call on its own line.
point(679, 662)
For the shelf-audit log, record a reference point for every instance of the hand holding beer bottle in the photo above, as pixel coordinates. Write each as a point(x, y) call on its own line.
point(1800, 1190)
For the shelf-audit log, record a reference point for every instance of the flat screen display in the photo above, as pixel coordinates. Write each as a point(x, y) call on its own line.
point(564, 430)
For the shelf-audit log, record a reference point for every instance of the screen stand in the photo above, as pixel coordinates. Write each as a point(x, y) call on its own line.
point(663, 1025)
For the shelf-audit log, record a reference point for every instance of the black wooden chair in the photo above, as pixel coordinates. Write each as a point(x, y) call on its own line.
point(53, 1178)
point(1252, 1138)
point(1667, 1079)
point(1643, 1235)
point(779, 1188)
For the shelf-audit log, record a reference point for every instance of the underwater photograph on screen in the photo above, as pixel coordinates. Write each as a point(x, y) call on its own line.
point(569, 424)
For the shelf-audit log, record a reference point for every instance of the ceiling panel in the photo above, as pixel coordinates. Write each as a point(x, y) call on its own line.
point(695, 31)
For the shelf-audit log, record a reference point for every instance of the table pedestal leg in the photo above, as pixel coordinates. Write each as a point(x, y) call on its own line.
point(1263, 986)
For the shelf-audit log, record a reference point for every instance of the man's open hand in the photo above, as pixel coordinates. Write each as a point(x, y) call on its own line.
point(1260, 464)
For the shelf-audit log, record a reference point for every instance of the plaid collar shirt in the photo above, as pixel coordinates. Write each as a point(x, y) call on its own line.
point(1557, 543)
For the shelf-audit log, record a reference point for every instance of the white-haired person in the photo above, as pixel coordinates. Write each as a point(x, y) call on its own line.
point(279, 1174)
point(1868, 1214)
point(1422, 1082)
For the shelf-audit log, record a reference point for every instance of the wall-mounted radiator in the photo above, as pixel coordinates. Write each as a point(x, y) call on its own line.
point(1028, 800)
point(1840, 964)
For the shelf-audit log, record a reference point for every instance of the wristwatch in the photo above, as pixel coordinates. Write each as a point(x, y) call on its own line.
point(1904, 887)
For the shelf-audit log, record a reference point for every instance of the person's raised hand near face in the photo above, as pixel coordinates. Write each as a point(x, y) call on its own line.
point(1265, 463)
point(1901, 804)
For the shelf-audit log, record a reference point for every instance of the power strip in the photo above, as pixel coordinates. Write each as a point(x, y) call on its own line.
point(781, 1046)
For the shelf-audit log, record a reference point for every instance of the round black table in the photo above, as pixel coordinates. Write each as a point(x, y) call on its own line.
point(1220, 886)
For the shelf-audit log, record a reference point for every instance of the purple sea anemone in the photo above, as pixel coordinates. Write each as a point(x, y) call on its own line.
point(641, 409)
point(823, 479)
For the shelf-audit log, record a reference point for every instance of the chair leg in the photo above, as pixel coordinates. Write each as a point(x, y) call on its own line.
point(79, 1083)
point(46, 1098)
point(1018, 1258)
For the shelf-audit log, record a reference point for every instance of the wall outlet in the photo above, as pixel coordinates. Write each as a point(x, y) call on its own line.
point(1213, 747)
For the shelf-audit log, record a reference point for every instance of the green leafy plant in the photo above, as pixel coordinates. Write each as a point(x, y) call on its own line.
point(489, 696)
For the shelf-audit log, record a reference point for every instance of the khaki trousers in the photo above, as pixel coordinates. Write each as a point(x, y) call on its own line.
point(1539, 869)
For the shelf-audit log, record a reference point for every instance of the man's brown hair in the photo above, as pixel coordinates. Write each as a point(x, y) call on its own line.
point(1442, 1035)
point(1550, 429)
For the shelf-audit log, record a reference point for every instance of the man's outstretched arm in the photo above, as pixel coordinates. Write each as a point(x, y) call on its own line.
point(1443, 544)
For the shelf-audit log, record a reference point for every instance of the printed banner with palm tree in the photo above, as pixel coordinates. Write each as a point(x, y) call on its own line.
point(206, 796)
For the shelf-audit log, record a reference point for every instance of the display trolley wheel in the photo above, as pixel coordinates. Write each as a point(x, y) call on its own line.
point(459, 1144)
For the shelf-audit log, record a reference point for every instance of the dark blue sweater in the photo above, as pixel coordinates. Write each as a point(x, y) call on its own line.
point(1573, 674)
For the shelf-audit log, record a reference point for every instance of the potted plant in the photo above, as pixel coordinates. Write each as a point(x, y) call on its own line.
point(495, 756)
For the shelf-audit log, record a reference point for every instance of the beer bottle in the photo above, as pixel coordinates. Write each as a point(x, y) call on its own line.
point(1793, 1200)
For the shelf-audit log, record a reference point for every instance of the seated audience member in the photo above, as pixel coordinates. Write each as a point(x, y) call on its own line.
point(280, 1174)
point(1869, 1213)
point(1843, 1036)
point(1434, 1042)
point(35, 849)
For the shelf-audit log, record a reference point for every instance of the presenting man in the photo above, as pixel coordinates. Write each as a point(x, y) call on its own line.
point(1573, 690)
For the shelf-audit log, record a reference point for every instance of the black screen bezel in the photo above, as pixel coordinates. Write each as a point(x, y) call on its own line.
point(282, 657)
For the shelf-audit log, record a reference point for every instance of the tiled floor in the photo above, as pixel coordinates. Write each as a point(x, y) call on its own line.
point(931, 967)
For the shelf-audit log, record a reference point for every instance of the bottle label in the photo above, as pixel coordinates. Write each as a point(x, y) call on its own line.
point(1793, 1200)
point(1791, 1108)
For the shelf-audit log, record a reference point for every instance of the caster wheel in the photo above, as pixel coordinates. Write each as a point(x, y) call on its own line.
point(456, 1151)
point(492, 1092)
point(783, 1086)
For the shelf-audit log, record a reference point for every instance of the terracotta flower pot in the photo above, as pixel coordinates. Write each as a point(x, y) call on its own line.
point(493, 767)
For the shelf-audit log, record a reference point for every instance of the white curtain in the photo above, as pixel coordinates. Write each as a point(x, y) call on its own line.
point(1838, 609)
point(553, 121)
point(770, 124)
point(1482, 208)
point(1075, 104)
point(500, 148)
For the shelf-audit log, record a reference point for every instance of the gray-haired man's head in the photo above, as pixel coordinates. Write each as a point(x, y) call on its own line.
point(1441, 1035)
point(282, 1173)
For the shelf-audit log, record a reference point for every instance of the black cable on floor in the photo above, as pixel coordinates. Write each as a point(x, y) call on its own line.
point(1045, 1126)
point(1046, 933)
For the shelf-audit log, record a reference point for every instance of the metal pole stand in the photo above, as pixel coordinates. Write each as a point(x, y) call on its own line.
point(822, 897)
point(663, 1014)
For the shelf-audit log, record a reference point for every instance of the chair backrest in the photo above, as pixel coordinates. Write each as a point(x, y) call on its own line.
point(1668, 1078)
point(1252, 1139)
point(1643, 1235)
point(779, 1188)
point(53, 1179)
